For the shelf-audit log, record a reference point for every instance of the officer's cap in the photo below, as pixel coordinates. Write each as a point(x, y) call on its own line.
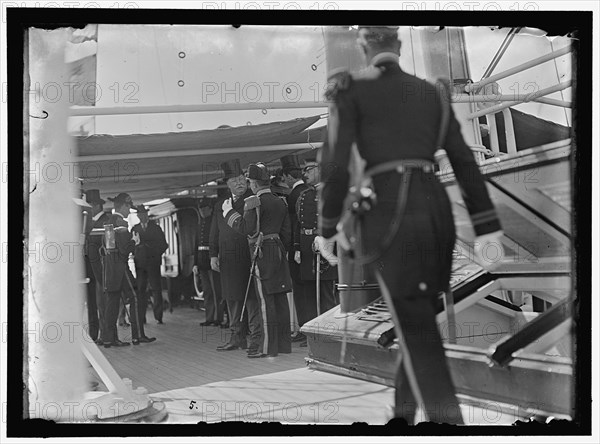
point(377, 35)
point(258, 171)
point(141, 209)
point(121, 198)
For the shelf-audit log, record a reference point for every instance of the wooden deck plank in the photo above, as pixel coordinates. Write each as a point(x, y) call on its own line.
point(185, 354)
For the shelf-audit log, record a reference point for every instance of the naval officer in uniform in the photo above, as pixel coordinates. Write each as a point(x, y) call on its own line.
point(394, 119)
point(267, 225)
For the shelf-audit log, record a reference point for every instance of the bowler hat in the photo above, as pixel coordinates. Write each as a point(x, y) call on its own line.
point(122, 198)
point(258, 171)
point(231, 168)
point(290, 162)
point(93, 197)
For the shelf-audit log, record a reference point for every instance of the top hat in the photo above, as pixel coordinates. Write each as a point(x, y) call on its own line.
point(122, 198)
point(258, 171)
point(290, 162)
point(377, 34)
point(231, 168)
point(93, 197)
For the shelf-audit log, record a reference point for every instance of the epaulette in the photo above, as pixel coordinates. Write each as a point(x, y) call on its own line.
point(251, 202)
point(339, 80)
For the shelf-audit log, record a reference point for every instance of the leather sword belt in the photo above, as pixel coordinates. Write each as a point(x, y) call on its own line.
point(309, 231)
point(203, 248)
point(402, 165)
point(262, 237)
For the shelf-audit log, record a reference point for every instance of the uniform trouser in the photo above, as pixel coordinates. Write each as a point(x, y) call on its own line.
point(275, 317)
point(412, 271)
point(150, 273)
point(213, 302)
point(255, 326)
point(302, 301)
point(112, 311)
point(327, 297)
point(95, 299)
point(238, 327)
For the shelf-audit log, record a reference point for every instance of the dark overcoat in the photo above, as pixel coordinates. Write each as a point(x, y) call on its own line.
point(231, 247)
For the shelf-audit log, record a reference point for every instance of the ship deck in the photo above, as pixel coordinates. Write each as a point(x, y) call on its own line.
point(199, 384)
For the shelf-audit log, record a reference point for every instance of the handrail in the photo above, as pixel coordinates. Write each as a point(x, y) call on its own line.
point(474, 87)
point(509, 131)
point(530, 97)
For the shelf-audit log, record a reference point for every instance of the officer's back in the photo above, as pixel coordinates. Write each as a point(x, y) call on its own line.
point(396, 115)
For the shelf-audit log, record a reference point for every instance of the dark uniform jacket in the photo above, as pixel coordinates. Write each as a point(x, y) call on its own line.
point(231, 247)
point(202, 255)
point(152, 245)
point(307, 217)
point(116, 262)
point(292, 199)
point(94, 242)
point(267, 214)
point(390, 114)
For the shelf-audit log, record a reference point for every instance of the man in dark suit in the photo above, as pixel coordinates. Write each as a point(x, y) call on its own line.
point(211, 281)
point(292, 174)
point(266, 223)
point(230, 257)
point(394, 119)
point(147, 258)
point(93, 265)
point(118, 277)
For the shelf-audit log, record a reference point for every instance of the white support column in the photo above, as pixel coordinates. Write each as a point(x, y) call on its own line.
point(57, 376)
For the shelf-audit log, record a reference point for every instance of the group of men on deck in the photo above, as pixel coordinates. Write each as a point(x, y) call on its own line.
point(256, 251)
point(111, 283)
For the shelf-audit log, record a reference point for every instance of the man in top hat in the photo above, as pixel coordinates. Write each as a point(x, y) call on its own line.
point(266, 223)
point(230, 257)
point(292, 174)
point(411, 255)
point(147, 258)
point(211, 280)
point(93, 265)
point(118, 278)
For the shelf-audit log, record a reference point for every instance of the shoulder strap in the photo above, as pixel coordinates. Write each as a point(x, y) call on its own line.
point(444, 93)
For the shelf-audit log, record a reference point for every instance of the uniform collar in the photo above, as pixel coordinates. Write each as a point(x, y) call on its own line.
point(119, 214)
point(299, 182)
point(97, 216)
point(263, 191)
point(385, 57)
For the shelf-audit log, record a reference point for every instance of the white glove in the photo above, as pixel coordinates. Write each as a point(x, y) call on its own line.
point(136, 237)
point(214, 264)
point(488, 250)
point(325, 247)
point(227, 206)
point(195, 269)
point(297, 257)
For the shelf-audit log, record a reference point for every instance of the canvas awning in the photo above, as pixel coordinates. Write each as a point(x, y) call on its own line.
point(153, 166)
